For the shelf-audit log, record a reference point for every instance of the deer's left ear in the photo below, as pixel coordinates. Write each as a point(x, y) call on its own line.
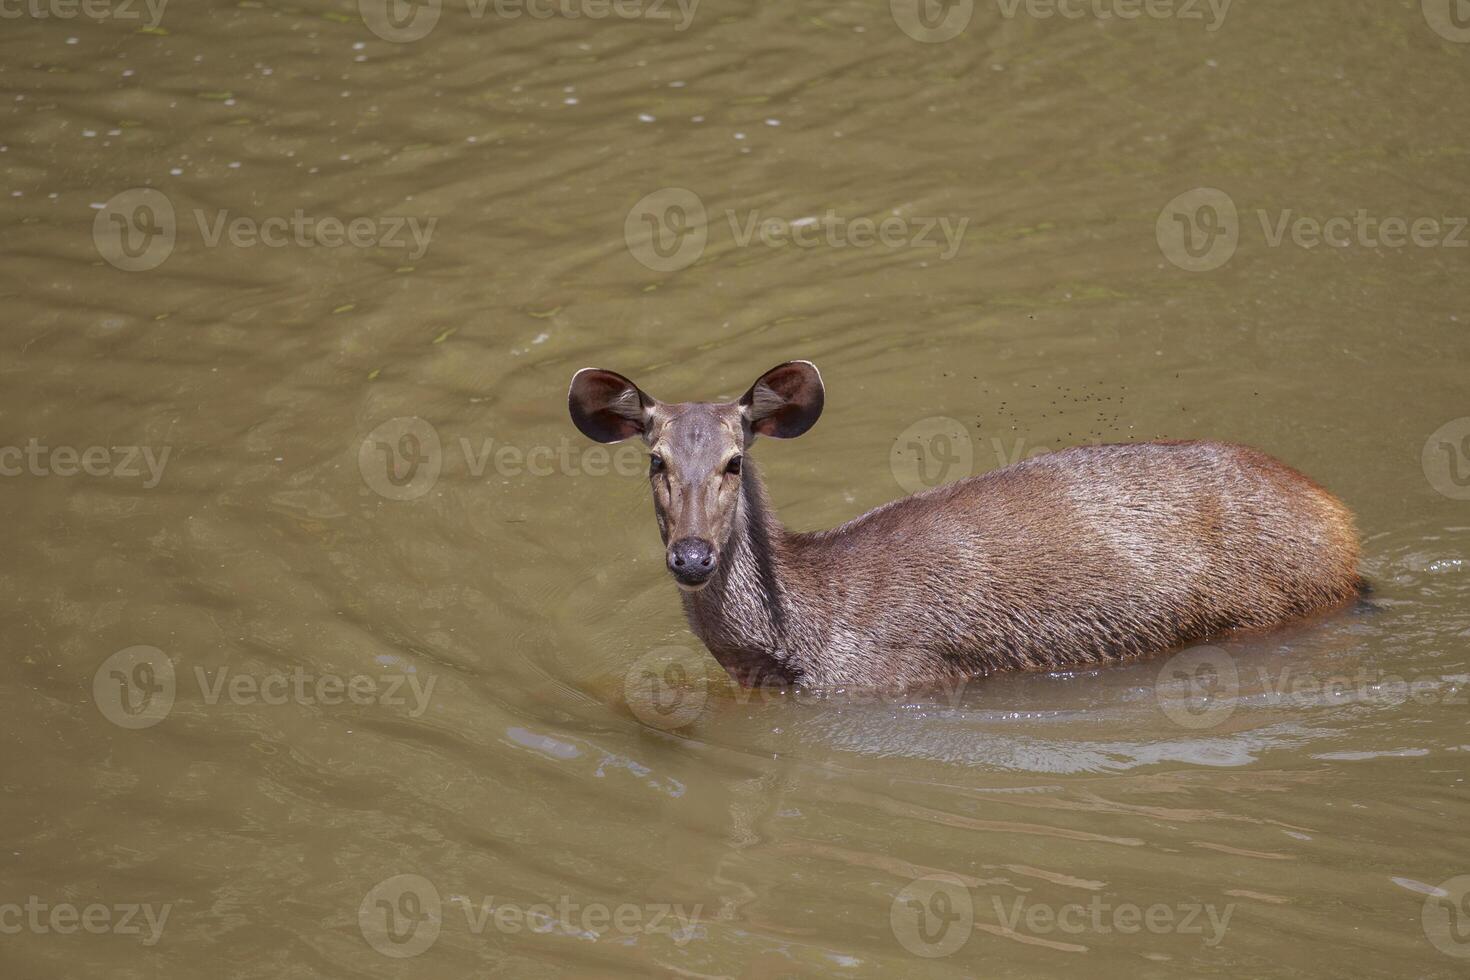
point(785, 401)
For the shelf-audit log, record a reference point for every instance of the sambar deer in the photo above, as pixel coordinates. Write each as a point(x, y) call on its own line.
point(1082, 557)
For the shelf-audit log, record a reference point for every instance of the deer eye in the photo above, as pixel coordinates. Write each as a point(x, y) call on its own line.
point(733, 467)
point(655, 464)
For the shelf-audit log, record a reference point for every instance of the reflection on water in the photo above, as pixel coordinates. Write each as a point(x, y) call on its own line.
point(336, 652)
point(1303, 690)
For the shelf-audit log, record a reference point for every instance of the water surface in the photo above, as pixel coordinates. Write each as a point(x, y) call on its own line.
point(255, 682)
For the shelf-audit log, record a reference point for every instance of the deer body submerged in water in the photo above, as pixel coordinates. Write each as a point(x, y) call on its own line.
point(1077, 558)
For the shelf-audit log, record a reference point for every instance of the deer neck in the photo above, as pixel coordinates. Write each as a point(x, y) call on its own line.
point(745, 614)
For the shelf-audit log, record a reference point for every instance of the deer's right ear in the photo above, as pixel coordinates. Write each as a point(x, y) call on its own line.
point(606, 406)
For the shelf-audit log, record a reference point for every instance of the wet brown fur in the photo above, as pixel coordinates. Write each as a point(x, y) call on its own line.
point(1086, 556)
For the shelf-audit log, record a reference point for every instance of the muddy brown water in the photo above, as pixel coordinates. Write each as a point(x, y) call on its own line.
point(293, 689)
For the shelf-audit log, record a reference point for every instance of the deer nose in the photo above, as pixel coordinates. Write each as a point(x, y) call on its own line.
point(692, 560)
